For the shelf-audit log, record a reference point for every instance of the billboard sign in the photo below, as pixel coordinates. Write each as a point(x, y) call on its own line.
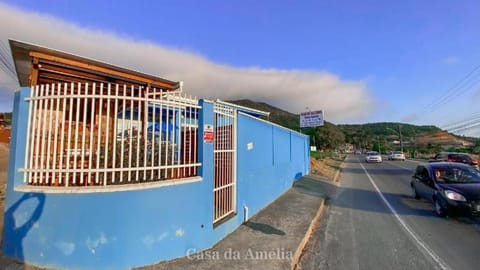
point(311, 119)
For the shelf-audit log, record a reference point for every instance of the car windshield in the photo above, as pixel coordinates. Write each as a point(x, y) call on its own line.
point(457, 175)
point(372, 153)
point(397, 153)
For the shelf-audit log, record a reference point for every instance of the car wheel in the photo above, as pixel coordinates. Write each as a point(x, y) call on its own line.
point(441, 212)
point(414, 192)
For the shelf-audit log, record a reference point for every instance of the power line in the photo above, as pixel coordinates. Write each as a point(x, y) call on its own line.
point(472, 118)
point(455, 91)
point(6, 63)
point(452, 89)
point(463, 125)
point(6, 54)
point(466, 127)
point(470, 85)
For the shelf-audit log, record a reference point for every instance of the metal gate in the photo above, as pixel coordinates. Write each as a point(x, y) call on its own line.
point(224, 191)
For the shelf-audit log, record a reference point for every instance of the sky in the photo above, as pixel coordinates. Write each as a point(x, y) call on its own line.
point(408, 61)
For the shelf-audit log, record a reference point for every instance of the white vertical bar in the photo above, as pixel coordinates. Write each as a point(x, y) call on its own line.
point(99, 134)
point(77, 120)
point(183, 130)
point(174, 137)
point(224, 128)
point(37, 137)
point(92, 131)
point(84, 133)
point(107, 137)
point(140, 128)
point(62, 134)
point(190, 139)
point(195, 137)
point(234, 160)
point(49, 142)
point(215, 165)
point(28, 151)
point(145, 135)
point(220, 133)
point(70, 117)
point(152, 157)
point(167, 138)
point(55, 138)
point(130, 133)
point(123, 131)
point(34, 136)
point(160, 140)
point(44, 130)
point(115, 132)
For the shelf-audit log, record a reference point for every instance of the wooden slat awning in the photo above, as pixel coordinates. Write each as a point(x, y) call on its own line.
point(39, 65)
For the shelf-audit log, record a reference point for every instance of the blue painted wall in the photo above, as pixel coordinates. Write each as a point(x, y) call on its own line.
point(279, 157)
point(119, 230)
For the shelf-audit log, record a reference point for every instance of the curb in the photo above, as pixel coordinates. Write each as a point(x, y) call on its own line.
point(337, 174)
point(303, 243)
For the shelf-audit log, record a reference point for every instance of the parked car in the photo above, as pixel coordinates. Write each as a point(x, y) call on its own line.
point(455, 157)
point(373, 156)
point(450, 186)
point(396, 155)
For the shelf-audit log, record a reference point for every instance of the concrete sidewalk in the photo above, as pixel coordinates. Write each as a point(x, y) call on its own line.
point(272, 239)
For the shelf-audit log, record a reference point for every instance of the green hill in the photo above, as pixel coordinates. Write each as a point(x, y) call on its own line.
point(384, 136)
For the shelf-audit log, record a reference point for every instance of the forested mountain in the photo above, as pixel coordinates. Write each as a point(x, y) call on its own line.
point(380, 136)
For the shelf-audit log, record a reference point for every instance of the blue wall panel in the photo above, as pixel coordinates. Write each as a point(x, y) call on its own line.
point(265, 171)
point(108, 230)
point(281, 147)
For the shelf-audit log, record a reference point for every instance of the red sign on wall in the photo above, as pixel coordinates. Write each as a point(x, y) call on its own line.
point(208, 134)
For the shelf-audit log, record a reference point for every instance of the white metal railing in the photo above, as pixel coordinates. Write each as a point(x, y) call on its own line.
point(224, 192)
point(106, 134)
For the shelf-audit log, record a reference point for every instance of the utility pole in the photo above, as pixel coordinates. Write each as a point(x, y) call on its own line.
point(399, 133)
point(401, 139)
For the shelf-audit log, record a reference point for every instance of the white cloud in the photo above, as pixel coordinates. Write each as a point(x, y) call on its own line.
point(179, 232)
point(450, 60)
point(292, 90)
point(410, 118)
point(67, 248)
point(93, 244)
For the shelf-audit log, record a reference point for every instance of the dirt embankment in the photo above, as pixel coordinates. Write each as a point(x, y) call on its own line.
point(326, 167)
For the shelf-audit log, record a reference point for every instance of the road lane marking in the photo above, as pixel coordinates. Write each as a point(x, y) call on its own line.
point(417, 239)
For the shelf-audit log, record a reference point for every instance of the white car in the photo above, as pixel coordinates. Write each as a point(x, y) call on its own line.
point(373, 156)
point(396, 155)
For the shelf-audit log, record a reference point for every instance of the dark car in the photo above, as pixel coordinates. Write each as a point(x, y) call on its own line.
point(452, 187)
point(455, 157)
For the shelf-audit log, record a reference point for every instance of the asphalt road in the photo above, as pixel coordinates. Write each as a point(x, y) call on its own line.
point(373, 222)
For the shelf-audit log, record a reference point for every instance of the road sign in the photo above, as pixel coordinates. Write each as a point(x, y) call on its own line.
point(311, 119)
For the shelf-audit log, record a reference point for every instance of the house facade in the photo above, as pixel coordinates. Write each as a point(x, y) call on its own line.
point(111, 168)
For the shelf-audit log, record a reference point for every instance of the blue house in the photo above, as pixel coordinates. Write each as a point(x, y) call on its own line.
point(112, 168)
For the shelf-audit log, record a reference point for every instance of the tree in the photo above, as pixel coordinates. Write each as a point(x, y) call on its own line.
point(329, 137)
